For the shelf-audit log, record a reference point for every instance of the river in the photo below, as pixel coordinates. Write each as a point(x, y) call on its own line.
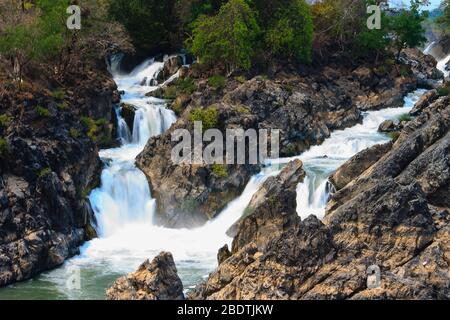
point(125, 209)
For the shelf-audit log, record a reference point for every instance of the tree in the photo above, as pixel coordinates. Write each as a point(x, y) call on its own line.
point(337, 23)
point(406, 27)
point(229, 37)
point(151, 24)
point(373, 41)
point(291, 34)
point(33, 36)
point(444, 20)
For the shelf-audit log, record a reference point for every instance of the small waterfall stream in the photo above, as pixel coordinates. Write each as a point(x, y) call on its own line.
point(124, 207)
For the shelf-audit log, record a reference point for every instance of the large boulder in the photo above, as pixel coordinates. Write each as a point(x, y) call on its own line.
point(156, 280)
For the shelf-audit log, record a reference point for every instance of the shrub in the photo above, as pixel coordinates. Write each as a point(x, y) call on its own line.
point(74, 133)
point(243, 109)
point(58, 94)
point(394, 135)
point(443, 91)
point(292, 34)
point(4, 120)
point(42, 112)
point(44, 172)
point(62, 106)
point(219, 170)
point(217, 82)
point(404, 117)
point(91, 127)
point(151, 24)
point(3, 147)
point(228, 37)
point(170, 93)
point(209, 117)
point(186, 85)
point(240, 79)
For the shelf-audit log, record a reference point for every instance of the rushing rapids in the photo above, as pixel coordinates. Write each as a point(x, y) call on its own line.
point(124, 207)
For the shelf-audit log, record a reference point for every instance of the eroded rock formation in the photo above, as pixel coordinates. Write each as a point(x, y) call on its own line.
point(156, 280)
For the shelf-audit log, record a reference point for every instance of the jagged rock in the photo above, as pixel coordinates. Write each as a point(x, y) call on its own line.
point(128, 112)
point(394, 213)
point(387, 126)
point(171, 66)
point(50, 166)
point(271, 210)
point(359, 163)
point(156, 280)
point(223, 254)
point(423, 102)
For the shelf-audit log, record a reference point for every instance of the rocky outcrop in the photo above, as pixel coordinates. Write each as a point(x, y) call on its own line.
point(271, 210)
point(423, 66)
point(48, 165)
point(127, 112)
point(392, 211)
point(171, 66)
point(156, 280)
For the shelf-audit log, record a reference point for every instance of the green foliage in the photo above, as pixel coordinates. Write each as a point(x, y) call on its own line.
point(337, 22)
point(228, 37)
point(186, 85)
point(292, 33)
point(243, 109)
point(443, 91)
point(240, 79)
point(404, 117)
point(405, 71)
point(91, 127)
point(62, 106)
point(219, 170)
point(58, 94)
point(376, 40)
point(42, 112)
point(4, 148)
point(170, 93)
point(406, 27)
point(152, 24)
point(37, 39)
point(217, 82)
point(209, 117)
point(74, 133)
point(394, 135)
point(444, 20)
point(44, 172)
point(4, 120)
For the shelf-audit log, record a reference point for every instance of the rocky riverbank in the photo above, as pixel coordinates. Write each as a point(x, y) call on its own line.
point(48, 165)
point(305, 106)
point(391, 209)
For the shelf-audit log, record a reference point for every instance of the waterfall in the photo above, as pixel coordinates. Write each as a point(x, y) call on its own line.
point(124, 197)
